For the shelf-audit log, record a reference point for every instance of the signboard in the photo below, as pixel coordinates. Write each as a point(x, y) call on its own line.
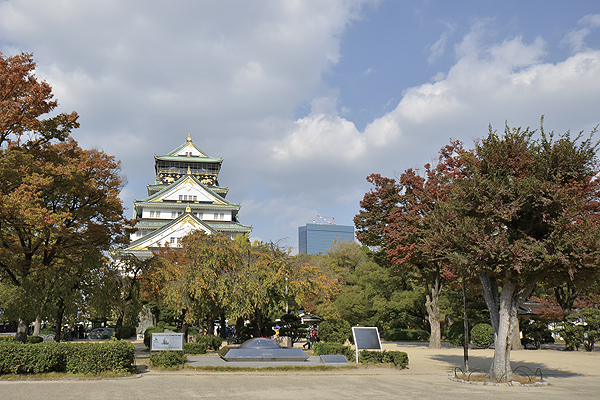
point(166, 341)
point(366, 338)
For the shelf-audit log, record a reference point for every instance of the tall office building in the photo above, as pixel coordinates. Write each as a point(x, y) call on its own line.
point(317, 238)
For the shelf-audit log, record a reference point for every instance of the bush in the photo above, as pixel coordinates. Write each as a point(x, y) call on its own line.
point(93, 358)
point(193, 330)
point(396, 358)
point(148, 334)
point(194, 348)
point(455, 334)
point(87, 358)
point(590, 329)
point(335, 330)
point(211, 341)
point(127, 331)
point(167, 359)
point(536, 333)
point(482, 335)
point(573, 335)
point(405, 334)
point(323, 348)
point(19, 358)
point(34, 339)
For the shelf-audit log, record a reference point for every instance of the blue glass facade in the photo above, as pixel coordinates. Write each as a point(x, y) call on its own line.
point(317, 238)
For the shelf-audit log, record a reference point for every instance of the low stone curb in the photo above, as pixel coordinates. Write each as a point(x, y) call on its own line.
point(511, 383)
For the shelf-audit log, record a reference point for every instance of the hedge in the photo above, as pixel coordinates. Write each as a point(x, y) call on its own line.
point(396, 335)
point(323, 348)
point(212, 341)
point(335, 330)
point(397, 358)
point(86, 358)
point(30, 339)
point(194, 348)
point(167, 358)
point(148, 334)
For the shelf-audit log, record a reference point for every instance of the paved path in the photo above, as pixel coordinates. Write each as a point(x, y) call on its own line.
point(571, 375)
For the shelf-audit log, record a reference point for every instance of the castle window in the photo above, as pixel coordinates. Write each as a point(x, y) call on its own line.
point(158, 214)
point(173, 214)
point(151, 214)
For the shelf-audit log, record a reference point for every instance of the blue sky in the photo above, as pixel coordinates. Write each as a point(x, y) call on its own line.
point(304, 99)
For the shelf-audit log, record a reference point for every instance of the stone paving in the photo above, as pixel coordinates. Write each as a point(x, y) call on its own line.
point(570, 374)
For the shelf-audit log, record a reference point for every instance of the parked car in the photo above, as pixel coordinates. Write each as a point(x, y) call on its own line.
point(101, 333)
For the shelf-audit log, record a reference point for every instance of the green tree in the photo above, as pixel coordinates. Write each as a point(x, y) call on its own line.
point(519, 212)
point(56, 200)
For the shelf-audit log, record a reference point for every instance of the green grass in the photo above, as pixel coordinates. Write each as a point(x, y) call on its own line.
point(67, 375)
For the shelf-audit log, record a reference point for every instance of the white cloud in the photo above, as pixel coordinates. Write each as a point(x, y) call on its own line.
point(436, 51)
point(576, 37)
point(143, 73)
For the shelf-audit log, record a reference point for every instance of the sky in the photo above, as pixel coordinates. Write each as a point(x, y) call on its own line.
point(303, 99)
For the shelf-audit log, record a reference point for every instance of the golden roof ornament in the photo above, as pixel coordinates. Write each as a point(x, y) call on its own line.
point(188, 209)
point(189, 139)
point(189, 171)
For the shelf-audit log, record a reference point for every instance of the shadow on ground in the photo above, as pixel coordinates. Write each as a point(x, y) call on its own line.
point(483, 364)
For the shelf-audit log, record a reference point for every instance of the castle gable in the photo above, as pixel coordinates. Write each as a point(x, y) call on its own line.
point(170, 234)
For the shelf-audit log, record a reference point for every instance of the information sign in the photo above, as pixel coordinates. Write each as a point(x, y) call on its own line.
point(166, 341)
point(366, 338)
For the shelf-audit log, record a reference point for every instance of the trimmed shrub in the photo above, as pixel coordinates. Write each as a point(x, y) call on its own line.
point(93, 358)
point(211, 341)
point(194, 348)
point(335, 330)
point(397, 335)
point(148, 334)
point(455, 334)
point(323, 348)
point(535, 333)
point(482, 335)
point(127, 331)
point(193, 330)
point(167, 359)
point(34, 339)
point(19, 358)
point(87, 358)
point(396, 358)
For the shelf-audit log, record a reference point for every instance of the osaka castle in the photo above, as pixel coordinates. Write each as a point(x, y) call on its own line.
point(185, 197)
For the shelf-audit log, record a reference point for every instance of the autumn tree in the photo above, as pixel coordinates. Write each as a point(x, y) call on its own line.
point(56, 199)
point(520, 212)
point(201, 279)
point(395, 216)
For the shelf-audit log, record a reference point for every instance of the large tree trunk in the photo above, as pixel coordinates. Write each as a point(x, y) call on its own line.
point(37, 326)
point(201, 330)
point(515, 339)
point(258, 327)
point(184, 326)
point(22, 329)
point(490, 295)
point(511, 297)
point(59, 317)
point(119, 327)
point(223, 326)
point(433, 310)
